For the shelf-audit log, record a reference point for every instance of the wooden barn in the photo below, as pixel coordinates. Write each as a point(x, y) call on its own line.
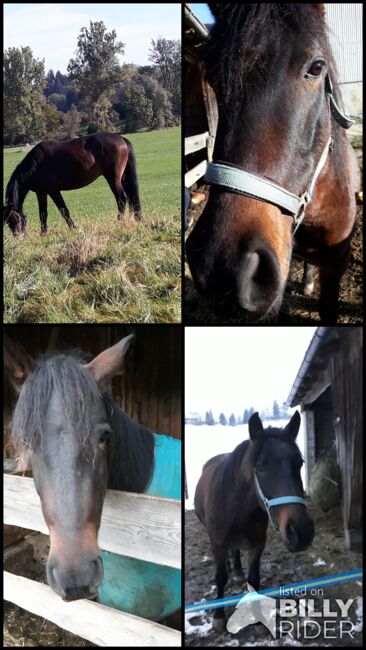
point(200, 108)
point(328, 387)
point(134, 526)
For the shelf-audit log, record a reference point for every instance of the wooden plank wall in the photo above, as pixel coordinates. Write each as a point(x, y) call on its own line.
point(346, 372)
point(150, 390)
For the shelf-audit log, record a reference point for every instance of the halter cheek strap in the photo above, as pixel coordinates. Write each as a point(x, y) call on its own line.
point(237, 180)
point(279, 501)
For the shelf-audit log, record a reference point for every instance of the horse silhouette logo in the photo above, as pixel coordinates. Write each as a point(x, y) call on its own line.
point(249, 611)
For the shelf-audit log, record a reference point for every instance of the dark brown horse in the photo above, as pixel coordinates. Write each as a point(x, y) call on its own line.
point(53, 166)
point(275, 80)
point(237, 490)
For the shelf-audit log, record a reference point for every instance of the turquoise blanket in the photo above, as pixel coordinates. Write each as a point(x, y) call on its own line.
point(143, 588)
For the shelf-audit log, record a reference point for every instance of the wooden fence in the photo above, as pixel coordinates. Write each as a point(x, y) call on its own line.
point(144, 527)
point(200, 109)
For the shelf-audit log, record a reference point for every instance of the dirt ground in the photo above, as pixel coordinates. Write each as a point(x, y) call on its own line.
point(297, 309)
point(328, 555)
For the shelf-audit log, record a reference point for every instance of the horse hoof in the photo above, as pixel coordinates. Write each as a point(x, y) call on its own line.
point(44, 233)
point(219, 624)
point(138, 216)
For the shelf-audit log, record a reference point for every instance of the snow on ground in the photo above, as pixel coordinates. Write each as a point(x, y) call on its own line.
point(319, 562)
point(202, 442)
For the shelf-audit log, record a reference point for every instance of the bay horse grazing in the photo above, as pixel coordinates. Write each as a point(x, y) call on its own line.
point(238, 492)
point(53, 166)
point(80, 443)
point(284, 176)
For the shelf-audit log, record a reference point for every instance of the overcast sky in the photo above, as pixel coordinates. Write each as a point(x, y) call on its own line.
point(51, 30)
point(231, 368)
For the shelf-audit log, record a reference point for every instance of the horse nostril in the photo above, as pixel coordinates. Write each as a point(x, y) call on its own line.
point(291, 535)
point(258, 279)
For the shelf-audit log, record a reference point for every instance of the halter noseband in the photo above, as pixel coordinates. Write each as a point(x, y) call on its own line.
point(280, 501)
point(237, 180)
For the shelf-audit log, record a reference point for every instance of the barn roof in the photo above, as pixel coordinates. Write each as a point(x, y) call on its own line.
point(314, 363)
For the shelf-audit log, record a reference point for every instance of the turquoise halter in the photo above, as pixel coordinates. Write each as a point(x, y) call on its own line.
point(280, 501)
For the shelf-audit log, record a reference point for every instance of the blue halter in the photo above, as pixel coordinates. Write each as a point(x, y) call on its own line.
point(280, 501)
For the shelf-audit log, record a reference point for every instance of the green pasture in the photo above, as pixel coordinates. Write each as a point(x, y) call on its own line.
point(105, 270)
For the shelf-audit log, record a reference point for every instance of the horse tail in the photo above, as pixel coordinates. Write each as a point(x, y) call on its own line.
point(130, 181)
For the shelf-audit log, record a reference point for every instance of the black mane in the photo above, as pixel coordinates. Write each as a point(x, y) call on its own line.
point(22, 174)
point(130, 451)
point(248, 38)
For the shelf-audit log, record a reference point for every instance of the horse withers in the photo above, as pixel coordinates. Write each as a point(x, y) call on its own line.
point(284, 176)
point(238, 492)
point(52, 166)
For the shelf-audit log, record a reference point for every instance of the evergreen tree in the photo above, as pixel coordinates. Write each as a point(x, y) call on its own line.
point(276, 410)
point(232, 420)
point(210, 418)
point(246, 417)
point(222, 419)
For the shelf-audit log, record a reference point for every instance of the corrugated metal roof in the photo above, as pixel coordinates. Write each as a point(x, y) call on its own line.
point(345, 24)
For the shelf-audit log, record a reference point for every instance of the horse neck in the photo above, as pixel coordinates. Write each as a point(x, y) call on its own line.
point(130, 453)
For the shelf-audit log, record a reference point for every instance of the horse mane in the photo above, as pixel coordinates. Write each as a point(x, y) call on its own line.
point(130, 452)
point(77, 391)
point(23, 173)
point(240, 42)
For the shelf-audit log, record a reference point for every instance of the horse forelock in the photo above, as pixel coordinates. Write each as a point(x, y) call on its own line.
point(77, 393)
point(249, 38)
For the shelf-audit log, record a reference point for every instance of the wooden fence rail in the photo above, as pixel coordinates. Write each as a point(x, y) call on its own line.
point(144, 527)
point(101, 625)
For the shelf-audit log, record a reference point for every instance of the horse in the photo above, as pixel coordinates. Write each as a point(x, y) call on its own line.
point(284, 176)
point(52, 166)
point(79, 444)
point(238, 492)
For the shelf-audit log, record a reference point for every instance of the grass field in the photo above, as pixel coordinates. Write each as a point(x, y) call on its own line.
point(105, 270)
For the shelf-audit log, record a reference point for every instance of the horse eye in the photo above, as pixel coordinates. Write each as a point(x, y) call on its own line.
point(104, 436)
point(316, 68)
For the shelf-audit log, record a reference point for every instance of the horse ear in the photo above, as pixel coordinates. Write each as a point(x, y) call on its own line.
point(292, 428)
point(17, 362)
point(255, 426)
point(320, 8)
point(109, 363)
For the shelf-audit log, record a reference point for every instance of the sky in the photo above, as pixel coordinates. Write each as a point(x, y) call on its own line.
point(202, 11)
point(229, 369)
point(51, 30)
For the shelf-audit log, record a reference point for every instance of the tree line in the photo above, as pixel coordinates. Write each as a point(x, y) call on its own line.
point(96, 94)
point(276, 413)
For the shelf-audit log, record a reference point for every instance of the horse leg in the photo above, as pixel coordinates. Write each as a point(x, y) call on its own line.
point(42, 204)
point(118, 193)
point(254, 559)
point(238, 569)
point(330, 275)
point(61, 205)
point(308, 279)
point(220, 555)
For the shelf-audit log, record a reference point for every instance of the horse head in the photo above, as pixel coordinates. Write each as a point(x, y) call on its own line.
point(277, 464)
point(15, 219)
